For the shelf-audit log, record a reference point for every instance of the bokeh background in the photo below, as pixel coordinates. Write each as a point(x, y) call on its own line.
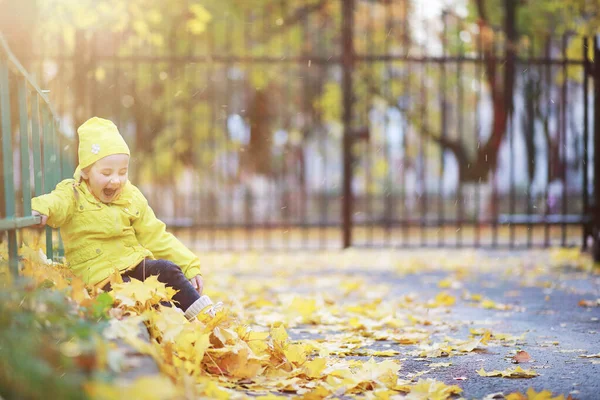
point(320, 124)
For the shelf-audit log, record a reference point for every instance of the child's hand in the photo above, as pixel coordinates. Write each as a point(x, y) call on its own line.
point(43, 220)
point(197, 283)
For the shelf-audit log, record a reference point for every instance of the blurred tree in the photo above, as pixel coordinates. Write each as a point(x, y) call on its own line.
point(514, 28)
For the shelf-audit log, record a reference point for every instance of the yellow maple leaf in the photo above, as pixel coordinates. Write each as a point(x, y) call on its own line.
point(385, 353)
point(533, 395)
point(318, 393)
point(431, 389)
point(130, 293)
point(212, 391)
point(442, 299)
point(295, 353)
point(488, 304)
point(272, 396)
point(257, 341)
point(191, 345)
point(168, 322)
point(79, 291)
point(314, 368)
point(279, 335)
point(517, 372)
point(445, 283)
point(486, 337)
point(303, 306)
point(236, 361)
point(469, 345)
point(225, 336)
point(371, 373)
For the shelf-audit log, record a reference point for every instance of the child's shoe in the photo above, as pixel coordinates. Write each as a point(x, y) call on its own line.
point(202, 306)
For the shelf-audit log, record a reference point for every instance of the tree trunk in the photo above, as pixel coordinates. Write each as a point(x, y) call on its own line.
point(502, 98)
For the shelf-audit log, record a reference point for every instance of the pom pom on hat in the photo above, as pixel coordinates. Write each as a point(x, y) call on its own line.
point(98, 138)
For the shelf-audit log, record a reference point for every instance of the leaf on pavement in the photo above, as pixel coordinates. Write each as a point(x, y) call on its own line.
point(517, 372)
point(521, 357)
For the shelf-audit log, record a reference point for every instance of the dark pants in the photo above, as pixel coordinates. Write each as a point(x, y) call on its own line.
point(169, 274)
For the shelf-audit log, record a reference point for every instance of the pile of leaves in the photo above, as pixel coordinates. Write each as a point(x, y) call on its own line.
point(246, 349)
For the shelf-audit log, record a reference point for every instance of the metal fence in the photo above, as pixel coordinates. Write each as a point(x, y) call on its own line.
point(34, 154)
point(346, 127)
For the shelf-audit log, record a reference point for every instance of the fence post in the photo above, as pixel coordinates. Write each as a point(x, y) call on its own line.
point(347, 66)
point(7, 161)
point(596, 198)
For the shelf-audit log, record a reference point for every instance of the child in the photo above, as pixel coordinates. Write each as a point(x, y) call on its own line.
point(106, 222)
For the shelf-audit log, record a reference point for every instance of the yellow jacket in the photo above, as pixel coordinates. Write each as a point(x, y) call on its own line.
point(99, 238)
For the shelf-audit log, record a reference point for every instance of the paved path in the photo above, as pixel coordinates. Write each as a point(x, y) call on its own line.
point(544, 305)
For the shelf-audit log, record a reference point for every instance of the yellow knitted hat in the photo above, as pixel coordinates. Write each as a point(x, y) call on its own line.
point(98, 138)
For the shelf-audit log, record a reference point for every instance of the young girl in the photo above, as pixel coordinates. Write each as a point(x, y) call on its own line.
point(107, 224)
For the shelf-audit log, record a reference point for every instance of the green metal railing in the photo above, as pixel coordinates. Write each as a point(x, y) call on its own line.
point(27, 117)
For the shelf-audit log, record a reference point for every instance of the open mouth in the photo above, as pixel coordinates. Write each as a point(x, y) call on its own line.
point(109, 192)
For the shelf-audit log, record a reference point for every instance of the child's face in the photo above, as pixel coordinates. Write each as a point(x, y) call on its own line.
point(107, 176)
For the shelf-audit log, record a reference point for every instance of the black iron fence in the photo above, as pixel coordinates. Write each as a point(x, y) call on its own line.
point(346, 125)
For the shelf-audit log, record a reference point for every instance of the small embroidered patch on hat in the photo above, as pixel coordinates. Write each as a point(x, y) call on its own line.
point(95, 148)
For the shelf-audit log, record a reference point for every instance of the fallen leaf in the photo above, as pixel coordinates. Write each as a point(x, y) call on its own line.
point(517, 372)
point(589, 303)
point(521, 357)
point(597, 355)
point(432, 389)
point(533, 395)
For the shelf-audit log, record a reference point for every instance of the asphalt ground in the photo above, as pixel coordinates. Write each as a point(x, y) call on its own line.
point(543, 306)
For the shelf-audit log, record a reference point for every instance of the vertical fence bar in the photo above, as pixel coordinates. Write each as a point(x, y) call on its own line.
point(423, 146)
point(264, 196)
point(24, 147)
point(563, 141)
point(305, 107)
point(170, 117)
point(407, 99)
point(369, 143)
point(494, 177)
point(512, 185)
point(7, 162)
point(47, 169)
point(56, 161)
point(323, 141)
point(530, 110)
point(65, 151)
point(459, 127)
point(479, 78)
point(548, 85)
point(288, 127)
point(584, 186)
point(214, 176)
point(443, 130)
point(225, 112)
point(388, 191)
point(190, 129)
point(247, 43)
point(116, 43)
point(596, 70)
point(347, 67)
point(510, 133)
point(92, 66)
point(36, 145)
